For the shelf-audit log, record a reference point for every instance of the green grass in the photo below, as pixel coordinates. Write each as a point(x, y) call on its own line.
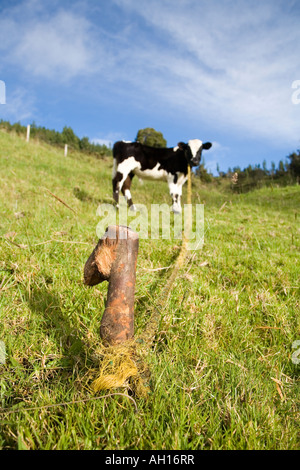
point(222, 375)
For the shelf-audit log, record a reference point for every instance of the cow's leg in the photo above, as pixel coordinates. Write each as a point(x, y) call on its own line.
point(126, 191)
point(121, 173)
point(116, 186)
point(175, 187)
point(176, 207)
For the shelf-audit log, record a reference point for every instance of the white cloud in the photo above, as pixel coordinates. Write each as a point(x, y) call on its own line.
point(106, 142)
point(230, 63)
point(56, 46)
point(109, 139)
point(19, 105)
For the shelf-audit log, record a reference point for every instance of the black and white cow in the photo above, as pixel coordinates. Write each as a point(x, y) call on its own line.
point(167, 164)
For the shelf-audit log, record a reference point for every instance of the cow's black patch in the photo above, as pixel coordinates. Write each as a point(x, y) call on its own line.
point(148, 157)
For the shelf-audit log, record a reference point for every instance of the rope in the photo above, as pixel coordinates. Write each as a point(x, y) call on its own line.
point(125, 362)
point(152, 327)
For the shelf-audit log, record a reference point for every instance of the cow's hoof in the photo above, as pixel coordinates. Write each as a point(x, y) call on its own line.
point(176, 210)
point(132, 208)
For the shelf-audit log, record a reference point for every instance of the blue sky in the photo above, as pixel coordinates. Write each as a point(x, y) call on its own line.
point(216, 70)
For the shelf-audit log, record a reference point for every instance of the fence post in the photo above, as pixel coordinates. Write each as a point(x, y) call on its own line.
point(66, 150)
point(28, 133)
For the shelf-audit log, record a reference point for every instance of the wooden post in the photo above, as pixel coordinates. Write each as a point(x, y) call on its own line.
point(28, 133)
point(114, 260)
point(66, 150)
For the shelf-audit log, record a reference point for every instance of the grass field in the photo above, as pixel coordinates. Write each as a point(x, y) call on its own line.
point(224, 374)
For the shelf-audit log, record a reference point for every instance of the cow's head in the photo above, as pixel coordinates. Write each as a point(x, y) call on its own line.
point(193, 150)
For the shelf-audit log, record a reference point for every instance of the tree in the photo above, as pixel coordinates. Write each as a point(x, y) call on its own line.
point(280, 172)
point(273, 168)
point(68, 137)
point(203, 173)
point(151, 137)
point(265, 167)
point(84, 144)
point(295, 163)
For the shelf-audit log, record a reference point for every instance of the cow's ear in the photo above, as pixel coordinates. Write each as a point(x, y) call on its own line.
point(182, 145)
point(207, 145)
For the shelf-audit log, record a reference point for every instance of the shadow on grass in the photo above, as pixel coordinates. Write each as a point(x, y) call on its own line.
point(84, 196)
point(48, 309)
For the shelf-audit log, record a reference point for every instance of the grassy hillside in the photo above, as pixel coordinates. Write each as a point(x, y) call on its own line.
point(223, 374)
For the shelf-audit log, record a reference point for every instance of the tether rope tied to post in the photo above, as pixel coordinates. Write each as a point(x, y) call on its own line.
point(124, 363)
point(151, 329)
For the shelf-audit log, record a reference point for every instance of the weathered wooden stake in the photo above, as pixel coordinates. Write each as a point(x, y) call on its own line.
point(114, 260)
point(66, 150)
